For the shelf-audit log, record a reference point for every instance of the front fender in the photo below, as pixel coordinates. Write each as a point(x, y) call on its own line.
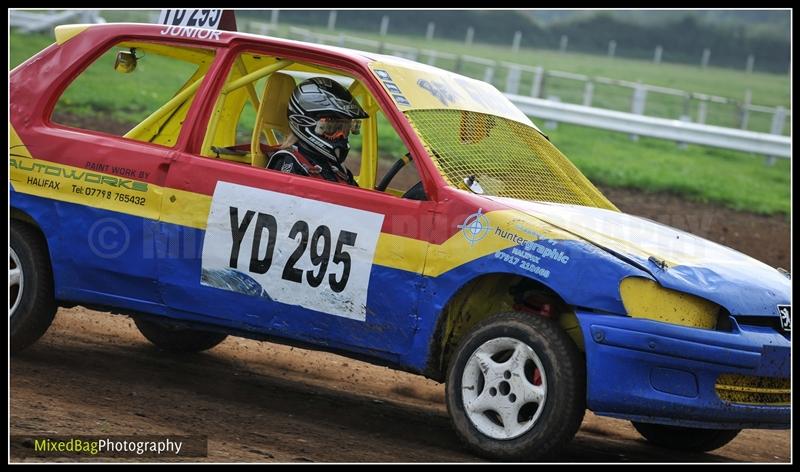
point(577, 271)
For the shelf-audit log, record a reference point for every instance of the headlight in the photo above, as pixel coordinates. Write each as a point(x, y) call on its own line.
point(644, 298)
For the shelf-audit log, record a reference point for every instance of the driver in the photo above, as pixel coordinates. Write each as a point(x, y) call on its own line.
point(322, 114)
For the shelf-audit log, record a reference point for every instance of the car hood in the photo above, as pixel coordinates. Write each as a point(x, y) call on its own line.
point(676, 259)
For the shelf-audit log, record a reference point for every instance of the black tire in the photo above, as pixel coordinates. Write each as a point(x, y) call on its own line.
point(36, 305)
point(563, 407)
point(178, 340)
point(685, 439)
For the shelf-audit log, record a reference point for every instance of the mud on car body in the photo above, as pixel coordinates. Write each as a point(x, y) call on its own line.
point(499, 269)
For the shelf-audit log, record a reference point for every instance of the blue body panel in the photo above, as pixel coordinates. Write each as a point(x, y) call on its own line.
point(100, 252)
point(655, 372)
point(154, 267)
point(637, 369)
point(741, 284)
point(150, 266)
point(590, 279)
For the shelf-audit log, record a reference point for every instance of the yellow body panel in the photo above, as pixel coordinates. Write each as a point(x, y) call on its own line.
point(427, 88)
point(191, 210)
point(750, 390)
point(644, 298)
point(85, 187)
point(64, 33)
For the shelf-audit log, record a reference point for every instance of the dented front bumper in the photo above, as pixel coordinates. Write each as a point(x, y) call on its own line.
point(656, 372)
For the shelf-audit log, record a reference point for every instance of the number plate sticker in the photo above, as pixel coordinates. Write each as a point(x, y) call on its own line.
point(290, 249)
point(209, 19)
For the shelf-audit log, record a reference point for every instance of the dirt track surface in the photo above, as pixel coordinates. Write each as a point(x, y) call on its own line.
point(93, 373)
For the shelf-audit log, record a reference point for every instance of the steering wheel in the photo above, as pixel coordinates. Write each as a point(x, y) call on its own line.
point(416, 192)
point(396, 167)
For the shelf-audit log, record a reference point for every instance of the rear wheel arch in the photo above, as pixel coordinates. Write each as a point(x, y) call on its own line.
point(24, 217)
point(44, 231)
point(489, 294)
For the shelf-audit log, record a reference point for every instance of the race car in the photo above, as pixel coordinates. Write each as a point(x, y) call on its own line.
point(492, 265)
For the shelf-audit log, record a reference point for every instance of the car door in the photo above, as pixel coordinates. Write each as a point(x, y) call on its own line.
point(100, 168)
point(280, 254)
point(292, 256)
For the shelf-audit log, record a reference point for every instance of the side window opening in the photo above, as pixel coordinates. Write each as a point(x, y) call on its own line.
point(138, 90)
point(239, 111)
point(390, 150)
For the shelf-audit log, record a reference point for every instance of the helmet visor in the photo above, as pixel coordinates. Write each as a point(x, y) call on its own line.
point(333, 128)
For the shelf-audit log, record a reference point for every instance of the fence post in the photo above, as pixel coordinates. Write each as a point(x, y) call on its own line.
point(470, 35)
point(88, 16)
point(702, 111)
point(745, 109)
point(562, 47)
point(536, 87)
point(751, 61)
point(706, 57)
point(638, 102)
point(273, 20)
point(588, 91)
point(612, 48)
point(686, 119)
point(512, 81)
point(384, 25)
point(488, 74)
point(431, 57)
point(515, 44)
point(332, 20)
point(778, 123)
point(687, 105)
point(459, 63)
point(550, 124)
point(341, 40)
point(431, 29)
point(657, 55)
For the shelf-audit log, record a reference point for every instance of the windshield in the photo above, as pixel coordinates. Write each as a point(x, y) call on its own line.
point(479, 140)
point(504, 157)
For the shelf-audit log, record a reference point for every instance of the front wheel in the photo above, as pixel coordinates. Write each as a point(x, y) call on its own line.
point(685, 439)
point(516, 387)
point(178, 340)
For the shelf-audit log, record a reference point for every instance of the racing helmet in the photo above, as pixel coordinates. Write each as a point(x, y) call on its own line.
point(322, 114)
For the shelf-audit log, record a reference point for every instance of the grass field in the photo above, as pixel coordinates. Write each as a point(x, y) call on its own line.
point(767, 89)
point(738, 180)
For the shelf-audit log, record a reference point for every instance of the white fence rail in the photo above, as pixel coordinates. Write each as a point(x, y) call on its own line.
point(552, 111)
point(675, 130)
point(680, 130)
point(513, 78)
